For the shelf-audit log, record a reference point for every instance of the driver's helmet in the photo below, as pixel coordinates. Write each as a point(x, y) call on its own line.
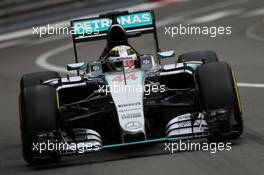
point(122, 57)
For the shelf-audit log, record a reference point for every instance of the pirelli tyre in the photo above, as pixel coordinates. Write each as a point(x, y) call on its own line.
point(38, 114)
point(207, 56)
point(36, 78)
point(218, 90)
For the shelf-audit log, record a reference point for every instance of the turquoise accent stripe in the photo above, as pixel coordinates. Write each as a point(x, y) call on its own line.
point(142, 74)
point(101, 25)
point(150, 141)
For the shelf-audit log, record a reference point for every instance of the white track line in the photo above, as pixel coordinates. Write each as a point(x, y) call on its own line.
point(214, 16)
point(169, 20)
point(254, 85)
point(182, 16)
point(42, 60)
point(250, 32)
point(257, 12)
point(11, 43)
point(45, 40)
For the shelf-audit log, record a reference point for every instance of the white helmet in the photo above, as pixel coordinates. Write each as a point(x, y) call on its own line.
point(122, 56)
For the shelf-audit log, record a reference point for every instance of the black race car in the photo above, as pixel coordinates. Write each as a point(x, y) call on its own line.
point(126, 97)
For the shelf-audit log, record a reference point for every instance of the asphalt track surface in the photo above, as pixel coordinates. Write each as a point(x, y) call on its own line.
point(243, 49)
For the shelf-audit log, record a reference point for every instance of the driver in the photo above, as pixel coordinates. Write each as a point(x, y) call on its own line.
point(122, 57)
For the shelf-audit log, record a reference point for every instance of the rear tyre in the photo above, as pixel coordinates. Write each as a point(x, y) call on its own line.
point(207, 56)
point(218, 89)
point(36, 78)
point(38, 113)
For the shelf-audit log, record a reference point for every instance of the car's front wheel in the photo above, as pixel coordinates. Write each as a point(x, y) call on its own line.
point(218, 90)
point(38, 113)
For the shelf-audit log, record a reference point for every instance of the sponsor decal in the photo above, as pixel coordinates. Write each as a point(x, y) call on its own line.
point(98, 25)
point(127, 110)
point(129, 116)
point(129, 104)
point(121, 78)
point(133, 125)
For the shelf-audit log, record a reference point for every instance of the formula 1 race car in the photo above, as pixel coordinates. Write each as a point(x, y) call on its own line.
point(126, 98)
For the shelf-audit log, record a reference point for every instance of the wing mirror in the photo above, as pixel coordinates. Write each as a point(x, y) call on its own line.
point(95, 68)
point(166, 54)
point(76, 66)
point(147, 62)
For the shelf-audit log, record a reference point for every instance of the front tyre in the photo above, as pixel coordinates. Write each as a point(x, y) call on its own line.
point(38, 113)
point(218, 89)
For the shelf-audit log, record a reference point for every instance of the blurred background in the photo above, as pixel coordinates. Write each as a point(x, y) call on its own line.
point(15, 14)
point(22, 52)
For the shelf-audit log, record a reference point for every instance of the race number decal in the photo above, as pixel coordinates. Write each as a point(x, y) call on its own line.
point(120, 78)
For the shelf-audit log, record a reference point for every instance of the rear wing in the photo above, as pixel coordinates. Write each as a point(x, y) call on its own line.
point(96, 28)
